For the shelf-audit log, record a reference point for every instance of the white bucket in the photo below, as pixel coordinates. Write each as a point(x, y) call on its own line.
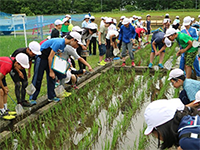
point(60, 90)
point(30, 90)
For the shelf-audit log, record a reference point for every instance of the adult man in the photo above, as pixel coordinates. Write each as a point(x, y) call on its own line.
point(17, 63)
point(49, 49)
point(127, 35)
point(191, 86)
point(31, 51)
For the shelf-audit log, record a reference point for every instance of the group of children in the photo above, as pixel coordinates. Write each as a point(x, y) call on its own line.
point(176, 122)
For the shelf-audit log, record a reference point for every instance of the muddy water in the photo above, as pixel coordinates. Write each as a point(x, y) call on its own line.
point(128, 139)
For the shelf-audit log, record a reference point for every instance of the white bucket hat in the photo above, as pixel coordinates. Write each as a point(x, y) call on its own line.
point(23, 60)
point(169, 32)
point(126, 21)
point(57, 22)
point(187, 21)
point(35, 47)
point(161, 111)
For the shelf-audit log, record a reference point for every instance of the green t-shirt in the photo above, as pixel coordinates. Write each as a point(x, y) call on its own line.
point(103, 31)
point(64, 28)
point(183, 39)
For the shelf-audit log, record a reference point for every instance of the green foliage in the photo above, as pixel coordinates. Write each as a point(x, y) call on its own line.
point(39, 7)
point(129, 8)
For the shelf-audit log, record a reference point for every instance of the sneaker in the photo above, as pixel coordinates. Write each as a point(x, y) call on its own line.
point(55, 99)
point(67, 94)
point(104, 62)
point(74, 86)
point(98, 63)
point(26, 104)
point(160, 66)
point(150, 65)
point(6, 116)
point(133, 64)
point(101, 63)
point(11, 112)
point(123, 64)
point(33, 102)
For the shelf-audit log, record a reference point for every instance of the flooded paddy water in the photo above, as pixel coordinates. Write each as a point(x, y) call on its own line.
point(107, 113)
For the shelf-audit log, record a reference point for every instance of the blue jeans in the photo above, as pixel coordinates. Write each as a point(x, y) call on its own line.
point(44, 66)
point(195, 64)
point(36, 67)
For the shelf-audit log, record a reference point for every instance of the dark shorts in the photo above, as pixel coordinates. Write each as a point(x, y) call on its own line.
point(159, 47)
point(4, 82)
point(189, 58)
point(102, 49)
point(148, 32)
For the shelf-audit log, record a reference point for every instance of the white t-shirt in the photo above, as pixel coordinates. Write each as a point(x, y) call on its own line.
point(112, 27)
point(102, 23)
point(111, 32)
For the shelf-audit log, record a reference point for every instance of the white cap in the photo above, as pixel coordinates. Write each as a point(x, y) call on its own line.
point(23, 60)
point(136, 17)
point(76, 36)
point(102, 17)
point(67, 15)
point(108, 20)
point(87, 16)
point(133, 16)
point(177, 17)
point(168, 43)
point(92, 17)
point(77, 29)
point(122, 17)
point(192, 19)
point(148, 15)
point(115, 21)
point(161, 111)
point(65, 19)
point(126, 21)
point(139, 17)
point(92, 26)
point(58, 21)
point(166, 14)
point(35, 47)
point(197, 97)
point(175, 73)
point(199, 16)
point(187, 21)
point(169, 32)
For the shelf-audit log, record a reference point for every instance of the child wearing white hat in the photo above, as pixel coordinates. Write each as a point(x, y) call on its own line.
point(55, 33)
point(174, 124)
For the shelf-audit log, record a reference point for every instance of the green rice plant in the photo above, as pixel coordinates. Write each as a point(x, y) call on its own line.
point(142, 139)
point(107, 145)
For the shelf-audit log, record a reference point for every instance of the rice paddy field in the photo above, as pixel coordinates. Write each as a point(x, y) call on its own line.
point(105, 114)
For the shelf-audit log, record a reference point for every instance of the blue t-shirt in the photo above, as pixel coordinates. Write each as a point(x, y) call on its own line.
point(126, 34)
point(192, 32)
point(191, 87)
point(158, 37)
point(55, 44)
point(189, 124)
point(85, 24)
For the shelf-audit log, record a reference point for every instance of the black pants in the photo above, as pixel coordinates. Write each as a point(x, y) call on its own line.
point(81, 65)
point(94, 42)
point(109, 49)
point(20, 91)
